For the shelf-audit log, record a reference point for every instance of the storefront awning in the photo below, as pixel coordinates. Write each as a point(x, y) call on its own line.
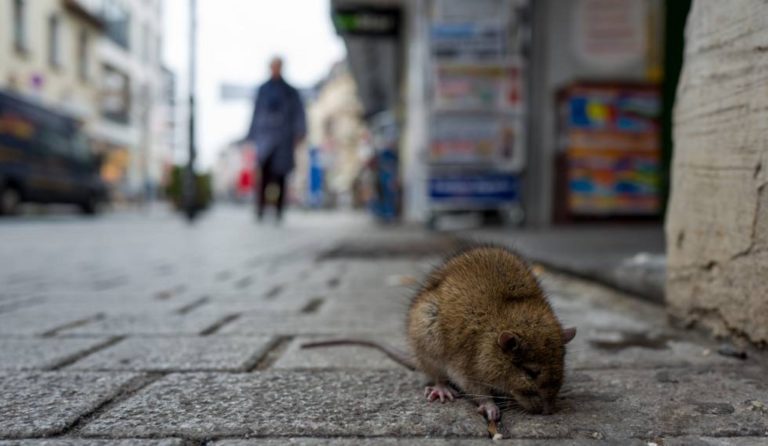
point(372, 33)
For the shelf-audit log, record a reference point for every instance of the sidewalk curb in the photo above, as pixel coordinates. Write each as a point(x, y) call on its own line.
point(640, 274)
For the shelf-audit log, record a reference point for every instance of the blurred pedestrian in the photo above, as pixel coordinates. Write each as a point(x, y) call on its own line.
point(277, 127)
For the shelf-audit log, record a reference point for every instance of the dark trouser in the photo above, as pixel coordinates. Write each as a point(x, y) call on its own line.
point(269, 177)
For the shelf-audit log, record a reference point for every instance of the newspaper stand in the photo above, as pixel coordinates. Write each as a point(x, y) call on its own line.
point(610, 153)
point(476, 77)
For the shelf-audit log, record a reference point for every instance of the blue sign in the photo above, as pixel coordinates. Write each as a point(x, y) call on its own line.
point(482, 189)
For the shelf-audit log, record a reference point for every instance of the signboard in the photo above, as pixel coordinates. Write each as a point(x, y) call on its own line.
point(477, 86)
point(468, 139)
point(612, 148)
point(477, 120)
point(613, 182)
point(484, 190)
point(463, 10)
point(367, 21)
point(611, 34)
point(229, 91)
point(486, 40)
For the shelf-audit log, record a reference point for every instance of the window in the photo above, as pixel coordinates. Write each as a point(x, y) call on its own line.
point(54, 41)
point(118, 22)
point(116, 95)
point(146, 47)
point(83, 61)
point(81, 149)
point(158, 50)
point(20, 25)
point(53, 138)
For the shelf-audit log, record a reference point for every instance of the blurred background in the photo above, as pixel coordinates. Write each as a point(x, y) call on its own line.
point(438, 112)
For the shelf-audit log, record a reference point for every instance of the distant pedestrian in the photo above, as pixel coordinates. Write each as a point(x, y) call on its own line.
point(277, 127)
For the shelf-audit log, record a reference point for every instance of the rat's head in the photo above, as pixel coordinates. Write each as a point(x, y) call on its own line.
point(529, 364)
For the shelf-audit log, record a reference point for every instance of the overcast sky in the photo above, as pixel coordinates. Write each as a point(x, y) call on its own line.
point(236, 39)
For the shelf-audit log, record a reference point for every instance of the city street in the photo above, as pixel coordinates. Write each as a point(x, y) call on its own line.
point(137, 326)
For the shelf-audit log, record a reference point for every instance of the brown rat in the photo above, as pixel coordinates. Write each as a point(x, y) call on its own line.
point(482, 323)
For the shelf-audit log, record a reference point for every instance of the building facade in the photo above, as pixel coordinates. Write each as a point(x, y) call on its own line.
point(100, 61)
point(48, 52)
point(132, 124)
point(337, 131)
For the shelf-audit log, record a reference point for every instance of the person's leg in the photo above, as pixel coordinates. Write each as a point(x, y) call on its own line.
point(264, 179)
point(279, 181)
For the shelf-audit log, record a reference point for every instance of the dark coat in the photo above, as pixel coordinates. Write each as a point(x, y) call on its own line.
point(278, 121)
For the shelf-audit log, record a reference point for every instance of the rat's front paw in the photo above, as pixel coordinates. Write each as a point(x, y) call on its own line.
point(489, 410)
point(440, 392)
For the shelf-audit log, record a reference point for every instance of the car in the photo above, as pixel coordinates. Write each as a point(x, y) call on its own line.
point(45, 157)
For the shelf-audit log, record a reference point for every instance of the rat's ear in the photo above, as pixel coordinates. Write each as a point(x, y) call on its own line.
point(568, 334)
point(508, 341)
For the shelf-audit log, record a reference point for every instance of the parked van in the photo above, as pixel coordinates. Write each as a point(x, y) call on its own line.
point(45, 158)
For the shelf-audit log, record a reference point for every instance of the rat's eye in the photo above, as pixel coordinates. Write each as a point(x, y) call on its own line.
point(532, 373)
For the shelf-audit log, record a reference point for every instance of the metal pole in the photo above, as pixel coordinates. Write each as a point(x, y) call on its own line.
point(190, 183)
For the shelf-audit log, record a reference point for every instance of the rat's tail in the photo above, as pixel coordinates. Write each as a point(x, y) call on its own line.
point(395, 354)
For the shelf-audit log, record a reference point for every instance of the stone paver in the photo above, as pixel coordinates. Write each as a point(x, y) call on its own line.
point(650, 403)
point(42, 404)
point(254, 305)
point(593, 349)
point(149, 324)
point(321, 403)
point(707, 441)
point(178, 353)
point(94, 442)
point(12, 303)
point(112, 306)
point(308, 324)
point(369, 303)
point(338, 357)
point(384, 298)
point(39, 320)
point(42, 353)
point(423, 442)
point(667, 441)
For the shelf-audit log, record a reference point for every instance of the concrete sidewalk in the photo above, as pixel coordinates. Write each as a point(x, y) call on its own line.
point(151, 332)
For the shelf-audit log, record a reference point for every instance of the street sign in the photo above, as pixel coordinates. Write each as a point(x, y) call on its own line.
point(367, 21)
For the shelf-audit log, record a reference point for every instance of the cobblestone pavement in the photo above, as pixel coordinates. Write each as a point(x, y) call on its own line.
point(137, 329)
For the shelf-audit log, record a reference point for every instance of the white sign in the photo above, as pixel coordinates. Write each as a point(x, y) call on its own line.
point(611, 34)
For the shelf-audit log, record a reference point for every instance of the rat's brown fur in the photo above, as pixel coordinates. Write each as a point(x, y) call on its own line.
point(482, 322)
